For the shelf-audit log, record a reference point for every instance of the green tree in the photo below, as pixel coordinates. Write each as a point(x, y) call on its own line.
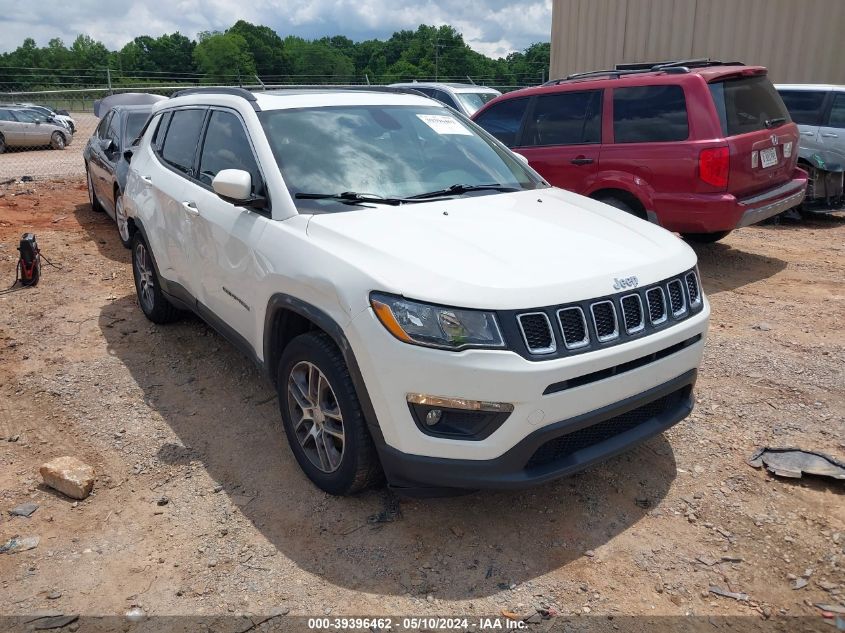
point(225, 57)
point(266, 47)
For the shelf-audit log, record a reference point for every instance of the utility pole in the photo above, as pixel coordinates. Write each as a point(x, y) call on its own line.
point(108, 79)
point(437, 46)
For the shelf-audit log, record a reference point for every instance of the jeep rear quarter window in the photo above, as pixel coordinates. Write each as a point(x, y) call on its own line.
point(650, 114)
point(805, 106)
point(566, 118)
point(180, 144)
point(504, 119)
point(748, 104)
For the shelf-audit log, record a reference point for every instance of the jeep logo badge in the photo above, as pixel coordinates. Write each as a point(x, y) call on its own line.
point(775, 139)
point(625, 282)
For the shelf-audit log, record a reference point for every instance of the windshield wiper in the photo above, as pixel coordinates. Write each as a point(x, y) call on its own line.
point(456, 190)
point(770, 123)
point(350, 197)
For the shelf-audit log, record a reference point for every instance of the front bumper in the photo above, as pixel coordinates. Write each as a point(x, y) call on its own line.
point(608, 377)
point(710, 213)
point(554, 451)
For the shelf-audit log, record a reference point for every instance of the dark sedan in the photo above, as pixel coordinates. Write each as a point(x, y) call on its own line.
point(106, 162)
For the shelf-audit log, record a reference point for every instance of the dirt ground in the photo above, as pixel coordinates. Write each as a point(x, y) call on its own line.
point(175, 414)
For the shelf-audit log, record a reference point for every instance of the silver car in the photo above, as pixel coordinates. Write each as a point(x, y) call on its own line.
point(24, 128)
point(819, 111)
point(465, 98)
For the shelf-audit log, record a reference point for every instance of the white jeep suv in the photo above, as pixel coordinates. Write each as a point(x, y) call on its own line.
point(427, 306)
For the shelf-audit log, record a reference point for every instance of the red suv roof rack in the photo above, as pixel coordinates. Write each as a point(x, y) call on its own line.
point(635, 68)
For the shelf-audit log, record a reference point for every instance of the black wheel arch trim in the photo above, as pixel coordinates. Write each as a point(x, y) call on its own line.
point(273, 351)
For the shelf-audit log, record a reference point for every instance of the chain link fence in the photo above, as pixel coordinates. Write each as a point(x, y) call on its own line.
point(43, 132)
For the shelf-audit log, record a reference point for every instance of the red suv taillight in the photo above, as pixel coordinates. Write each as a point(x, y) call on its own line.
point(714, 165)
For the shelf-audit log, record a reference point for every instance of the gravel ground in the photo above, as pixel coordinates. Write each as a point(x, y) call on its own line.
point(45, 163)
point(199, 507)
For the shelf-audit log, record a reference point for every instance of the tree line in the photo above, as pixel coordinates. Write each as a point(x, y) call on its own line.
point(247, 53)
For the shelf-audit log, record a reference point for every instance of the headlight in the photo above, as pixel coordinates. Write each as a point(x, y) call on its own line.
point(436, 326)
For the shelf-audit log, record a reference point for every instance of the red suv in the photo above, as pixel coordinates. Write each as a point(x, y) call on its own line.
point(699, 147)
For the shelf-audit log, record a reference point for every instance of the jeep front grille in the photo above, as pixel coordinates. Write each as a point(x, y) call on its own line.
point(656, 305)
point(676, 297)
point(574, 327)
point(581, 326)
point(604, 318)
point(632, 313)
point(537, 332)
point(692, 288)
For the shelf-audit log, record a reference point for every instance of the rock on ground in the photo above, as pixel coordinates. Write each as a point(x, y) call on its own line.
point(69, 476)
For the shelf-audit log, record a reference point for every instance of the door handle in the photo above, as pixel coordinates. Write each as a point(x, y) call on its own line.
point(147, 179)
point(830, 135)
point(582, 160)
point(808, 133)
point(190, 208)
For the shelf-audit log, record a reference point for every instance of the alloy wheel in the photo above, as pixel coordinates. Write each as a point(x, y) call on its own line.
point(146, 277)
point(315, 416)
point(121, 219)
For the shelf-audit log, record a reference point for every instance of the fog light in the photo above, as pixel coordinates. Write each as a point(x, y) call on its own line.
point(433, 417)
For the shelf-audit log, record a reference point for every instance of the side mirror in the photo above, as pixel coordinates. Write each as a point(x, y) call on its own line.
point(233, 185)
point(521, 157)
point(127, 155)
point(107, 145)
point(37, 121)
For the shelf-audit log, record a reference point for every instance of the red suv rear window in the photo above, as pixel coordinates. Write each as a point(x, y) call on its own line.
point(748, 104)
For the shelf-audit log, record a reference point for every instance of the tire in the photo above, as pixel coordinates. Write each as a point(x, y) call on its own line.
point(124, 230)
point(154, 304)
point(706, 238)
point(58, 141)
point(92, 195)
point(616, 203)
point(2, 144)
point(312, 372)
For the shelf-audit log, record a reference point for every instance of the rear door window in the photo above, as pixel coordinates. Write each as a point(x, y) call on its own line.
point(805, 107)
point(650, 114)
point(504, 119)
point(227, 147)
point(180, 145)
point(566, 118)
point(837, 112)
point(5, 115)
point(748, 104)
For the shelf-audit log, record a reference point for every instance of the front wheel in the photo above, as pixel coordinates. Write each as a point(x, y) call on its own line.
point(706, 238)
point(154, 304)
point(2, 144)
point(322, 416)
point(122, 221)
point(57, 141)
point(92, 195)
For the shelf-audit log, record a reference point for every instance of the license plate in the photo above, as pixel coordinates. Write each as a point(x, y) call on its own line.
point(769, 157)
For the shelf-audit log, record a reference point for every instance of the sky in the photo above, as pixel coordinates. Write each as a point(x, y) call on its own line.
point(492, 27)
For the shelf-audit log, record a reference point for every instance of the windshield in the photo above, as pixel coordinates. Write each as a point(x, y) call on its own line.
point(472, 101)
point(387, 151)
point(134, 123)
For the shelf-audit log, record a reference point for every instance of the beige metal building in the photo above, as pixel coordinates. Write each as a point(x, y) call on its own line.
point(800, 41)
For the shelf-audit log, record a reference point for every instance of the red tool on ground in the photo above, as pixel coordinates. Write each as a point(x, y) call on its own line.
point(29, 264)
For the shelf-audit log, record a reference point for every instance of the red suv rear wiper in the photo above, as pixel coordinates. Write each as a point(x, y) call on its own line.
point(770, 123)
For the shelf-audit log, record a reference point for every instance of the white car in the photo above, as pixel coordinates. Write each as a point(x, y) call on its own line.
point(65, 119)
point(425, 303)
point(465, 98)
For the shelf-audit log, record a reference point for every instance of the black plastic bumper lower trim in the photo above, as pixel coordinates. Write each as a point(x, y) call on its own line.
point(420, 475)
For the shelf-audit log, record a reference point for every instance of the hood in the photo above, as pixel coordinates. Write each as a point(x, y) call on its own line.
point(504, 251)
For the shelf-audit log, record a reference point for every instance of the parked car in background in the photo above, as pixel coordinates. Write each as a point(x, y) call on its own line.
point(699, 147)
point(106, 162)
point(48, 112)
point(425, 303)
point(465, 98)
point(24, 128)
point(819, 111)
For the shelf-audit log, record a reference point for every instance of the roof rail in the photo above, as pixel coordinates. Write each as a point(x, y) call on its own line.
point(220, 90)
point(702, 62)
point(342, 87)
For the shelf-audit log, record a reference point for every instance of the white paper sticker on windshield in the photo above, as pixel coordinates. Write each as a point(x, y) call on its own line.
point(444, 124)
